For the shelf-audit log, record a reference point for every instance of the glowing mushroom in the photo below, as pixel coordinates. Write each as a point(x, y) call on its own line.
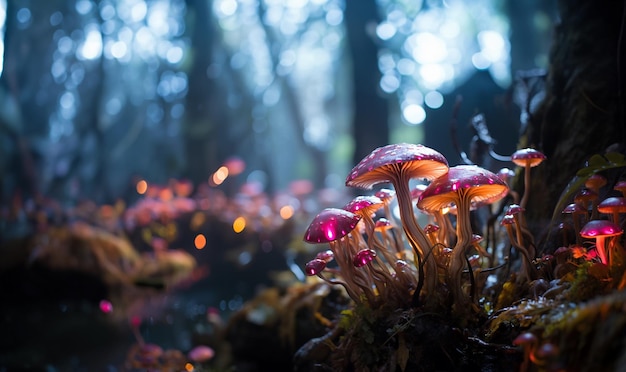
point(330, 226)
point(613, 206)
point(600, 230)
point(398, 164)
point(527, 158)
point(462, 186)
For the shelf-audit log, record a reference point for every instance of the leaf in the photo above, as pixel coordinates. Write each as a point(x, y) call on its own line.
point(615, 157)
point(596, 161)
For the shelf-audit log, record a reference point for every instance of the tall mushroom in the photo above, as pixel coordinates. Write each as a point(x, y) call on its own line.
point(398, 164)
point(330, 226)
point(600, 230)
point(527, 158)
point(462, 186)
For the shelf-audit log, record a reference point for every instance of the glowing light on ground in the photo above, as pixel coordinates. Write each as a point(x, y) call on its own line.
point(239, 224)
point(200, 241)
point(142, 187)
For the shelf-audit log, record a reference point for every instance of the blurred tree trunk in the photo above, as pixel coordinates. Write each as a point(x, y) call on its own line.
point(370, 123)
point(200, 139)
point(583, 111)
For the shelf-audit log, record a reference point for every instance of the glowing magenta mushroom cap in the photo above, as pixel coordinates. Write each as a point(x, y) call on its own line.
point(479, 184)
point(600, 228)
point(363, 257)
point(331, 224)
point(385, 163)
point(314, 267)
point(527, 157)
point(364, 204)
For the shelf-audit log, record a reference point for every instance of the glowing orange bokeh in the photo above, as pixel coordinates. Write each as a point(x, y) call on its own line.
point(142, 187)
point(200, 241)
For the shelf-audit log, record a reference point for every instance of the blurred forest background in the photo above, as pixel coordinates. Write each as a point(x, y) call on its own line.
point(95, 95)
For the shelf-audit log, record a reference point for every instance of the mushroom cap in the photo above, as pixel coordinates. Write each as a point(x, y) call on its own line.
point(573, 208)
point(314, 267)
point(599, 228)
point(387, 163)
point(325, 256)
point(612, 204)
point(515, 209)
point(481, 186)
point(386, 195)
point(383, 224)
point(595, 181)
point(506, 174)
point(366, 205)
point(331, 224)
point(584, 195)
point(527, 156)
point(507, 219)
point(431, 228)
point(363, 257)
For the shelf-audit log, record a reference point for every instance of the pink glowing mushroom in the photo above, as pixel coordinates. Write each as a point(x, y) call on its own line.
point(398, 164)
point(527, 158)
point(201, 354)
point(600, 230)
point(462, 186)
point(329, 225)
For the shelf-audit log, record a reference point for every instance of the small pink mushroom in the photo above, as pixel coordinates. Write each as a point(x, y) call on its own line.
point(527, 158)
point(600, 230)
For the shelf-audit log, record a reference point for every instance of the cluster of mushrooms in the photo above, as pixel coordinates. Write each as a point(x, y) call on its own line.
point(370, 248)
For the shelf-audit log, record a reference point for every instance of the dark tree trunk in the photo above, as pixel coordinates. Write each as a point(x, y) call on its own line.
point(583, 111)
point(370, 123)
point(200, 143)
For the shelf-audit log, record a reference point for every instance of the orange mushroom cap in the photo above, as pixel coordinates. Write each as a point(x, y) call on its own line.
point(612, 204)
point(480, 184)
point(397, 161)
point(527, 156)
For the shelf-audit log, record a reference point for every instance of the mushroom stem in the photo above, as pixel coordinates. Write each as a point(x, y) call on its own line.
point(524, 200)
point(459, 258)
point(416, 237)
point(601, 249)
